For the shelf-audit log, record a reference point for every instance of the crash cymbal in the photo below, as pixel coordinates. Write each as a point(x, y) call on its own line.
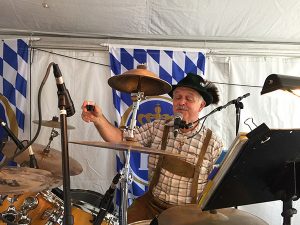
point(192, 215)
point(140, 80)
point(54, 123)
point(51, 161)
point(124, 146)
point(18, 180)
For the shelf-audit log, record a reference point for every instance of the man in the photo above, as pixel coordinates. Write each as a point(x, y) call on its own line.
point(173, 181)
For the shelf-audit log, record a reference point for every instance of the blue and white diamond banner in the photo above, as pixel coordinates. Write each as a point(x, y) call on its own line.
point(13, 85)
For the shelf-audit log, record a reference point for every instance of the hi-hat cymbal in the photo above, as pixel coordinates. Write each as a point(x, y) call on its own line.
point(124, 146)
point(140, 80)
point(54, 123)
point(51, 161)
point(192, 215)
point(18, 180)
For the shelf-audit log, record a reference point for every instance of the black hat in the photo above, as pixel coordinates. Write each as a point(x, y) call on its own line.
point(206, 89)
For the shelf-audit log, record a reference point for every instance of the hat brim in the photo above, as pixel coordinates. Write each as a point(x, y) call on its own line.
point(201, 90)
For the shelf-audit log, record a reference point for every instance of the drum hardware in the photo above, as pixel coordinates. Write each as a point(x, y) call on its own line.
point(11, 213)
point(30, 203)
point(53, 134)
point(24, 220)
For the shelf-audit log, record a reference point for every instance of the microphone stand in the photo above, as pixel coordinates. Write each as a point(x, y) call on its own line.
point(68, 217)
point(238, 105)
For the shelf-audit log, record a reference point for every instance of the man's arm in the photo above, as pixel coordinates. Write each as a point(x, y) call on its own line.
point(107, 131)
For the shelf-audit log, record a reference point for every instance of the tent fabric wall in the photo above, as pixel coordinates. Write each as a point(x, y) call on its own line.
point(89, 81)
point(84, 81)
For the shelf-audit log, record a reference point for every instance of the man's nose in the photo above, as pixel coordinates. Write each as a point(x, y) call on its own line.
point(182, 101)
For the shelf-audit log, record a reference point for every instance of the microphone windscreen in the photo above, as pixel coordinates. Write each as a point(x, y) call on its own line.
point(178, 115)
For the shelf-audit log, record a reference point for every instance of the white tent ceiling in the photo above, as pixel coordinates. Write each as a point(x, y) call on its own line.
point(269, 21)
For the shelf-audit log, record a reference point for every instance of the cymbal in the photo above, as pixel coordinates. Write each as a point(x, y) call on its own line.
point(124, 146)
point(18, 180)
point(192, 215)
point(54, 123)
point(51, 161)
point(140, 80)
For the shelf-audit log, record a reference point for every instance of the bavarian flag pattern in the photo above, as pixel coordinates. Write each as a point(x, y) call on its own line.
point(14, 69)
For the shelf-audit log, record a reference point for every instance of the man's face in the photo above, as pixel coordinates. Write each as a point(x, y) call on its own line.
point(188, 102)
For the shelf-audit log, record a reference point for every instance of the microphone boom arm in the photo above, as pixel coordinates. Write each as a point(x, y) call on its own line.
point(235, 101)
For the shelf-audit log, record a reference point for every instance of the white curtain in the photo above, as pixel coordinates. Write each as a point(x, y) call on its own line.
point(87, 80)
point(84, 80)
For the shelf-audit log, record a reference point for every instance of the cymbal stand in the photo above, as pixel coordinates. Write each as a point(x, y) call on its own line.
point(136, 99)
point(53, 134)
point(126, 179)
point(126, 176)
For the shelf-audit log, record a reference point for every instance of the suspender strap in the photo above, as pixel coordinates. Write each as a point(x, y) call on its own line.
point(155, 177)
point(198, 166)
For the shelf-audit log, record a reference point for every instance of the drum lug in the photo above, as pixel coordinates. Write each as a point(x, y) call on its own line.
point(24, 220)
point(10, 214)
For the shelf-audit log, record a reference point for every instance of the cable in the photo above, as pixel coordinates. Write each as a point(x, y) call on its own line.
point(40, 118)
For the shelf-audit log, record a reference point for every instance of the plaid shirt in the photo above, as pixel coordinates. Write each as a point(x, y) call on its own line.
point(171, 188)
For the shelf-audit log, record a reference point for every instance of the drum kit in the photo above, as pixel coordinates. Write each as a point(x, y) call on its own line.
point(26, 196)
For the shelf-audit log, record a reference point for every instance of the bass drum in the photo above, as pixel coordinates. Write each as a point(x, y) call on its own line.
point(81, 197)
point(85, 206)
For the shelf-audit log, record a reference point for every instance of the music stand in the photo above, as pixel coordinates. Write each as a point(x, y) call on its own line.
point(264, 167)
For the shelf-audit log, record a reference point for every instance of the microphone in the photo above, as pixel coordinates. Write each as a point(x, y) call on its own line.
point(113, 185)
point(62, 90)
point(107, 200)
point(177, 122)
point(12, 135)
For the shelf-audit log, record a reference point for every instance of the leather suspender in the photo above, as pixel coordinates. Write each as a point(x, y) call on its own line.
point(155, 177)
point(197, 166)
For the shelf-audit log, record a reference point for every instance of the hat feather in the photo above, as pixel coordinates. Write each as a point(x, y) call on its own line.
point(213, 90)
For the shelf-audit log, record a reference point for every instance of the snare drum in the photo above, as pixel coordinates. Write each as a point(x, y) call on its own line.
point(35, 206)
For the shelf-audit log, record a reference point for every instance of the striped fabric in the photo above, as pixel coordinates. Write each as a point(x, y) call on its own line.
point(13, 85)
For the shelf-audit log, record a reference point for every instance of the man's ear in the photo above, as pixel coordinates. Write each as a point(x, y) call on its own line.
point(202, 105)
